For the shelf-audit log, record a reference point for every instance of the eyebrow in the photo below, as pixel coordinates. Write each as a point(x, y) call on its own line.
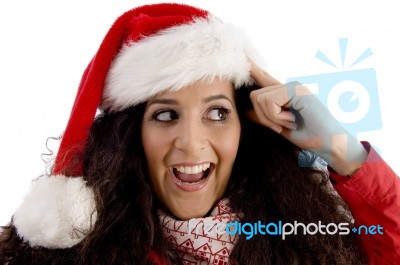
point(216, 97)
point(168, 101)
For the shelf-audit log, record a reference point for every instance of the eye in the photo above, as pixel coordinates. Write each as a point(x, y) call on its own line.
point(218, 114)
point(165, 115)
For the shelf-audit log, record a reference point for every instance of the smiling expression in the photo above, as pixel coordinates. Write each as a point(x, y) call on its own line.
point(190, 139)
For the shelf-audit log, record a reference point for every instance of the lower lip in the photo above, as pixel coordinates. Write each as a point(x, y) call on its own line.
point(185, 186)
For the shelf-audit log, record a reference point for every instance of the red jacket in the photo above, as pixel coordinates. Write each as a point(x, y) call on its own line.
point(373, 196)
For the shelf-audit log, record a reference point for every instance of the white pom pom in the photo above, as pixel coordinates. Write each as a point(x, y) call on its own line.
point(58, 212)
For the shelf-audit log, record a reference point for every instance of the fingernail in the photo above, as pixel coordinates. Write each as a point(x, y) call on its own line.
point(292, 126)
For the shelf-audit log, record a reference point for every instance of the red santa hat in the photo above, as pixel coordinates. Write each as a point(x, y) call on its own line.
point(148, 50)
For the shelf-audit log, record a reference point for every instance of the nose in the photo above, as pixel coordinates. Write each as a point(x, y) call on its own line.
point(191, 135)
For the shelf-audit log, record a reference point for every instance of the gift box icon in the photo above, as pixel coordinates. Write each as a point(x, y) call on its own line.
point(350, 95)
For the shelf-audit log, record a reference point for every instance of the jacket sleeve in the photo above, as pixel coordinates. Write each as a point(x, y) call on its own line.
point(373, 196)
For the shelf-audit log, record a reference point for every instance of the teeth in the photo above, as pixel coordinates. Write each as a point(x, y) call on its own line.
point(194, 169)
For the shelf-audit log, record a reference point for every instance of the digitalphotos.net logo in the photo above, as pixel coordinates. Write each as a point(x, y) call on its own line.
point(297, 228)
point(279, 228)
point(351, 95)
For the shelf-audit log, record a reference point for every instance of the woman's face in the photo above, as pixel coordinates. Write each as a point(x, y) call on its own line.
point(190, 139)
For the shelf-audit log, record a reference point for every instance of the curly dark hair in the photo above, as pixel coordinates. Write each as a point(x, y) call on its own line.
point(266, 185)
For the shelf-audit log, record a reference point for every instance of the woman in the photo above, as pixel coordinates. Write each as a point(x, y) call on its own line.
point(191, 134)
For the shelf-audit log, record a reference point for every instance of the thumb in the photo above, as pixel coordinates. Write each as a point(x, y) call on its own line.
point(262, 78)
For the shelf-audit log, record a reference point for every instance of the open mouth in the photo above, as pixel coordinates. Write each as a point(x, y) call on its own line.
point(192, 178)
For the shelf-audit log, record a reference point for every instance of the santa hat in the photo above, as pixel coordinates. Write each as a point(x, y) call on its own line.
point(148, 50)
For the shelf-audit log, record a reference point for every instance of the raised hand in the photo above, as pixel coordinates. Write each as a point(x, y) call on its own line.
point(293, 111)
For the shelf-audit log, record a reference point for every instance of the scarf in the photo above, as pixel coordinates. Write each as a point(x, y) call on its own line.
point(202, 240)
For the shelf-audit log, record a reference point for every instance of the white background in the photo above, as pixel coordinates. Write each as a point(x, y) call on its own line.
point(46, 45)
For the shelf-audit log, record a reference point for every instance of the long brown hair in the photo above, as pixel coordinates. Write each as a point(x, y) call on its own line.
point(266, 185)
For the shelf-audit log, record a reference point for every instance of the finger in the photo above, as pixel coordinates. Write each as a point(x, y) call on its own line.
point(277, 126)
point(265, 117)
point(291, 125)
point(262, 78)
point(277, 94)
point(276, 115)
point(272, 102)
point(251, 114)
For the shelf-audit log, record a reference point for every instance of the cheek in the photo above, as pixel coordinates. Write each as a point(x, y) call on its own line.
point(229, 147)
point(154, 140)
point(153, 145)
point(227, 144)
point(226, 147)
point(149, 142)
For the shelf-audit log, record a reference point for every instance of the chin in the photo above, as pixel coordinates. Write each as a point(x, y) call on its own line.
point(191, 212)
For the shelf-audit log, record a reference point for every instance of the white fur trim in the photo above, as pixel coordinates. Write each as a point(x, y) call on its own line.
point(58, 212)
point(174, 58)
